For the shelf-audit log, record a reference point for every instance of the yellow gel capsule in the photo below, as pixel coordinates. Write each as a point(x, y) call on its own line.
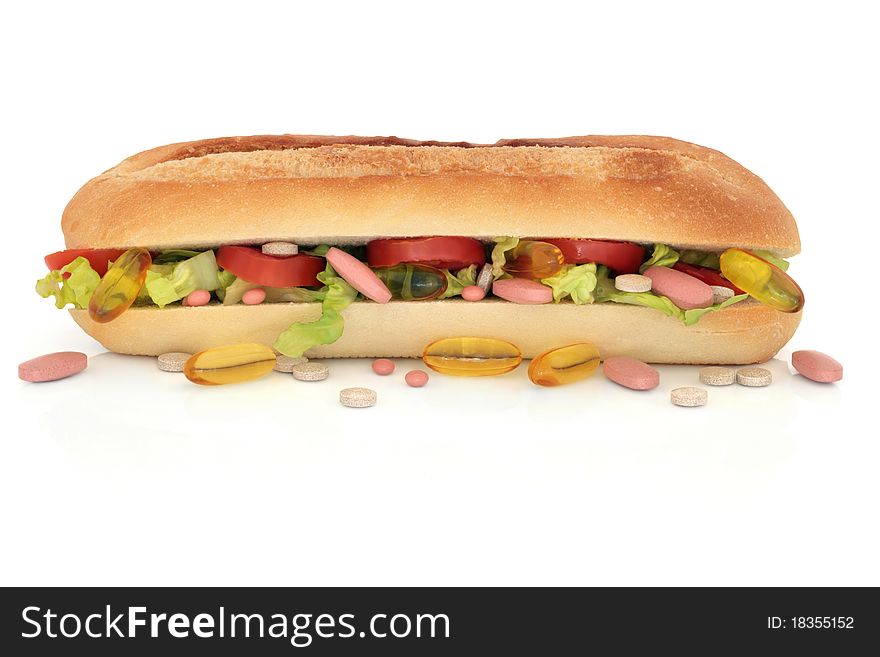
point(532, 259)
point(564, 365)
point(764, 281)
point(235, 363)
point(471, 356)
point(120, 286)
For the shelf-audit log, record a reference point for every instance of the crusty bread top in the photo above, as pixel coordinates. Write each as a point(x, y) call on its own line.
point(313, 189)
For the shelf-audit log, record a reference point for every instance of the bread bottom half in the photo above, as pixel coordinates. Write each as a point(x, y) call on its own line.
point(747, 332)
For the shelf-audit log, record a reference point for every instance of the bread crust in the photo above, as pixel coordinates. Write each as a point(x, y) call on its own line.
point(313, 189)
point(747, 332)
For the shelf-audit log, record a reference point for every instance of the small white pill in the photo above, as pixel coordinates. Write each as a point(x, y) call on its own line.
point(173, 361)
point(310, 372)
point(720, 294)
point(689, 396)
point(633, 283)
point(280, 248)
point(754, 377)
point(357, 397)
point(286, 363)
point(484, 279)
point(718, 376)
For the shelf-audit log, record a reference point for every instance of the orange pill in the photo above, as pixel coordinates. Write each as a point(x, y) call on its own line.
point(533, 259)
point(120, 286)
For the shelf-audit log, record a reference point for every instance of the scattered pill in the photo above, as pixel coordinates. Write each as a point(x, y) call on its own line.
point(473, 293)
point(235, 363)
point(684, 291)
point(563, 365)
point(485, 278)
point(358, 275)
point(718, 376)
point(197, 298)
point(357, 397)
point(754, 377)
point(631, 373)
point(522, 290)
point(173, 361)
point(287, 363)
point(383, 366)
point(720, 294)
point(280, 248)
point(52, 367)
point(817, 366)
point(633, 283)
point(416, 378)
point(310, 372)
point(689, 396)
point(469, 356)
point(254, 297)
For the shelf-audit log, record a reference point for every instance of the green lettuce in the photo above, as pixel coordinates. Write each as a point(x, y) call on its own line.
point(76, 289)
point(196, 273)
point(701, 259)
point(662, 256)
point(502, 246)
point(576, 281)
point(772, 259)
point(235, 291)
point(458, 281)
point(301, 336)
point(174, 255)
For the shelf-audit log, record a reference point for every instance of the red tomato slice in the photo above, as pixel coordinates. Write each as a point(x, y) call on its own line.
point(253, 266)
point(707, 275)
point(439, 252)
point(98, 258)
point(622, 257)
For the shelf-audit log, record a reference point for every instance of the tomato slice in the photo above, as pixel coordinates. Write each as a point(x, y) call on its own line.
point(253, 266)
point(707, 275)
point(622, 257)
point(439, 252)
point(98, 258)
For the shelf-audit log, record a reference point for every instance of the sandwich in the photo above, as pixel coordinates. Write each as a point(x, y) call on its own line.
point(430, 219)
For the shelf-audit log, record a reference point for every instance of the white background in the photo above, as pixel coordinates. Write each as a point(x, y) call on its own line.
point(125, 475)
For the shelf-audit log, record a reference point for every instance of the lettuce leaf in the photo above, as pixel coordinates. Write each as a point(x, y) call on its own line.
point(301, 336)
point(693, 316)
point(457, 282)
point(197, 273)
point(576, 281)
point(662, 256)
point(76, 289)
point(171, 256)
point(701, 259)
point(234, 292)
point(502, 246)
point(772, 259)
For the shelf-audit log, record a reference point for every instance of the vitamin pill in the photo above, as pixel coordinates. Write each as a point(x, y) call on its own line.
point(416, 378)
point(563, 365)
point(817, 366)
point(287, 363)
point(254, 297)
point(310, 372)
point(173, 361)
point(383, 366)
point(358, 275)
point(689, 396)
point(632, 283)
point(231, 364)
point(533, 259)
point(631, 373)
point(357, 397)
point(718, 376)
point(754, 377)
point(52, 367)
point(413, 282)
point(473, 293)
point(471, 356)
point(684, 291)
point(280, 248)
point(522, 290)
point(485, 278)
point(197, 298)
point(764, 281)
point(120, 286)
point(720, 294)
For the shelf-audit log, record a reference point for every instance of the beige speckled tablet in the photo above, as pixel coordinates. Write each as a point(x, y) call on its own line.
point(754, 377)
point(280, 248)
point(689, 396)
point(173, 361)
point(718, 376)
point(720, 294)
point(310, 372)
point(633, 283)
point(484, 279)
point(357, 397)
point(286, 363)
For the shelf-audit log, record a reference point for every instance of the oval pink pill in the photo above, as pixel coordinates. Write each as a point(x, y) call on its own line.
point(522, 290)
point(416, 378)
point(254, 297)
point(358, 275)
point(52, 367)
point(197, 298)
point(684, 291)
point(383, 366)
point(631, 373)
point(817, 366)
point(473, 293)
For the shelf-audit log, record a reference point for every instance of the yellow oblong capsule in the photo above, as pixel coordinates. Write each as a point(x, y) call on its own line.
point(120, 286)
point(234, 363)
point(533, 259)
point(762, 280)
point(471, 356)
point(564, 365)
